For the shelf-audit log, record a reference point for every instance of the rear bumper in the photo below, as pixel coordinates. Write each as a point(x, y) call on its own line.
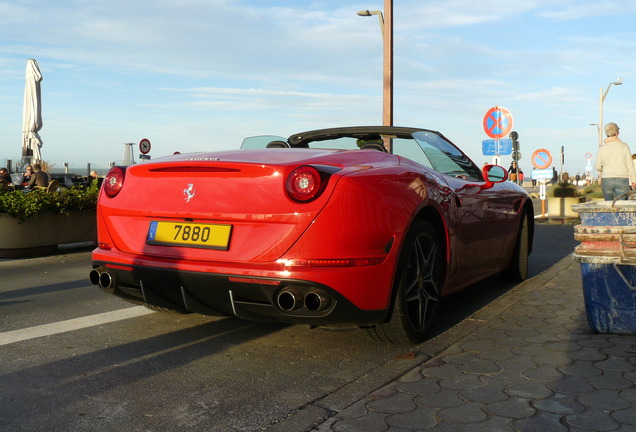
point(257, 298)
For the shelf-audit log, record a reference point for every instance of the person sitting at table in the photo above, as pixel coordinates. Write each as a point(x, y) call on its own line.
point(28, 173)
point(39, 178)
point(4, 175)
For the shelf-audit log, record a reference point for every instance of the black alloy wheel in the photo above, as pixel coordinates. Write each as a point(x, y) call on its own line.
point(418, 287)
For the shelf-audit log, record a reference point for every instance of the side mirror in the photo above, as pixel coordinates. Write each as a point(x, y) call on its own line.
point(493, 174)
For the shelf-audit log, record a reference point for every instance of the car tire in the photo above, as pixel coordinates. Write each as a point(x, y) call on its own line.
point(418, 285)
point(518, 269)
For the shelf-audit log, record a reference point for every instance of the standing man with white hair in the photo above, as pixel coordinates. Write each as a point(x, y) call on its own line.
point(614, 164)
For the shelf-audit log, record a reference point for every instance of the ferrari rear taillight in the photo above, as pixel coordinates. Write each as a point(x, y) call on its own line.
point(114, 181)
point(304, 184)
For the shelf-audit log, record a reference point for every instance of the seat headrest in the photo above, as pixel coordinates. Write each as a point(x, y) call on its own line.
point(277, 144)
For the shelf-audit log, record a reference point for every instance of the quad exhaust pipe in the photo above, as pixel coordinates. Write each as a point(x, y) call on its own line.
point(101, 278)
point(293, 299)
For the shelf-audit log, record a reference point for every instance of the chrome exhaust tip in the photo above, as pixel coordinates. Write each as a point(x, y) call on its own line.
point(105, 280)
point(289, 300)
point(93, 276)
point(317, 301)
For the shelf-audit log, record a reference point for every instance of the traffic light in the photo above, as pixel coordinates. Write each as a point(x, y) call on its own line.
point(514, 136)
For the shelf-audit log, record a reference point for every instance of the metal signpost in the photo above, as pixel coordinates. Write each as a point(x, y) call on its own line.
point(497, 124)
point(588, 167)
point(144, 148)
point(541, 160)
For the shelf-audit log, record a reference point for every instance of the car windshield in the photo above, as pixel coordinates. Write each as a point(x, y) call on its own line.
point(443, 157)
point(260, 142)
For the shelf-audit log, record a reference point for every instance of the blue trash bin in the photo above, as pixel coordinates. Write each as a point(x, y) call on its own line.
point(607, 256)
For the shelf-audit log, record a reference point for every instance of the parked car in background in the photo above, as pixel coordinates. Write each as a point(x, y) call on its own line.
point(369, 226)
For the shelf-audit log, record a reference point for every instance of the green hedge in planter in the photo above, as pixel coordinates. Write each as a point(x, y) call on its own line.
point(30, 205)
point(564, 190)
point(593, 191)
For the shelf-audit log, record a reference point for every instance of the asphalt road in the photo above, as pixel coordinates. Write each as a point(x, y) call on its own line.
point(75, 359)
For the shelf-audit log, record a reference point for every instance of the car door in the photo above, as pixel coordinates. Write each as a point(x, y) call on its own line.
point(482, 218)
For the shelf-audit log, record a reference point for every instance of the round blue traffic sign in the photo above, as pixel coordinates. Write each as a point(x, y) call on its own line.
point(541, 159)
point(498, 122)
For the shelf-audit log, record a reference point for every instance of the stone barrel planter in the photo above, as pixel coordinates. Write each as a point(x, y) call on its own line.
point(42, 235)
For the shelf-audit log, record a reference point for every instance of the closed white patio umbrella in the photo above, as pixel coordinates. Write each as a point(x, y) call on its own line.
point(32, 114)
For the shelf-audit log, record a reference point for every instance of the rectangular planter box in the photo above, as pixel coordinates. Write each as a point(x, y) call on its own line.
point(560, 209)
point(43, 235)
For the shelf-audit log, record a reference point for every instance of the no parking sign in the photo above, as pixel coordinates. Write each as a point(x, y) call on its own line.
point(541, 159)
point(498, 122)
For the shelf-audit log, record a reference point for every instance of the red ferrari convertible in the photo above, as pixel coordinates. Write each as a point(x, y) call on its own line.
point(364, 226)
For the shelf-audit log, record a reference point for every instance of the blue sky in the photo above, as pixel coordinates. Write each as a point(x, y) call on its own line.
point(201, 75)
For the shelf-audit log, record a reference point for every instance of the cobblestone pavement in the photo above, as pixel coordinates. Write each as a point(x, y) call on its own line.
point(526, 362)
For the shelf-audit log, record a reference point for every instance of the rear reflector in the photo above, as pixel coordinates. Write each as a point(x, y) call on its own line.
point(253, 280)
point(340, 262)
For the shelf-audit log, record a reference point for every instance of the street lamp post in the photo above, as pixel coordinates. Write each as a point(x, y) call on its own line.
point(598, 128)
point(602, 99)
point(386, 25)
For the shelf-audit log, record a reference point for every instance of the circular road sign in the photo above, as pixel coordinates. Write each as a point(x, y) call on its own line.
point(541, 159)
point(588, 155)
point(144, 146)
point(498, 122)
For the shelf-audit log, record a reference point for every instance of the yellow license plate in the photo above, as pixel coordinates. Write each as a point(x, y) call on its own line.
point(200, 235)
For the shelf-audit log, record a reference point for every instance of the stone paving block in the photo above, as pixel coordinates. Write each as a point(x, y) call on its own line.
point(626, 416)
point(425, 386)
point(514, 408)
point(421, 418)
point(587, 353)
point(629, 394)
point(559, 404)
point(443, 371)
point(482, 366)
point(516, 366)
point(545, 338)
point(444, 399)
point(607, 400)
point(395, 403)
point(591, 420)
point(611, 381)
point(462, 382)
point(543, 373)
point(530, 350)
point(615, 364)
point(372, 422)
point(468, 412)
point(581, 369)
point(489, 425)
point(487, 394)
point(563, 346)
point(529, 389)
point(543, 422)
point(570, 385)
point(594, 341)
point(462, 358)
point(413, 375)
